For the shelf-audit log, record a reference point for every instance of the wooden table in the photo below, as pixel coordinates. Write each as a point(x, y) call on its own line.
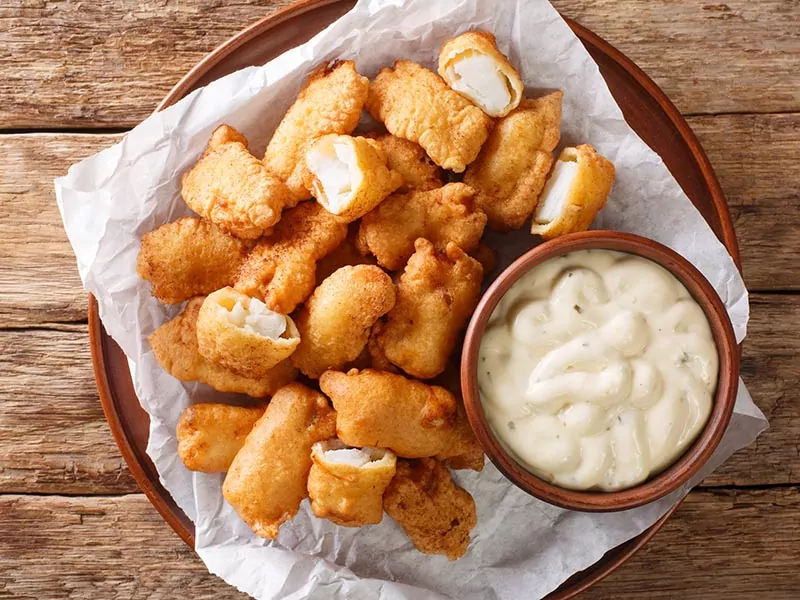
point(75, 75)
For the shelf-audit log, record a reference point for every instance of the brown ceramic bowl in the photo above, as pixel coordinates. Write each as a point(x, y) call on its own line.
point(695, 456)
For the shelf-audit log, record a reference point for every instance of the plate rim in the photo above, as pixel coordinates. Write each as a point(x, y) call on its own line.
point(161, 499)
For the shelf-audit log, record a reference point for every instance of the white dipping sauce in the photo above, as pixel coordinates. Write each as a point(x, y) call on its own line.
point(597, 369)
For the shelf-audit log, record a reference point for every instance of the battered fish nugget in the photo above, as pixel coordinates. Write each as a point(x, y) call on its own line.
point(335, 323)
point(416, 104)
point(242, 334)
point(175, 347)
point(444, 215)
point(345, 254)
point(210, 435)
point(409, 159)
point(512, 168)
point(330, 102)
point(435, 298)
point(348, 175)
point(435, 513)
point(464, 450)
point(472, 65)
point(576, 191)
point(346, 485)
point(232, 188)
point(267, 480)
point(280, 269)
point(189, 257)
point(384, 410)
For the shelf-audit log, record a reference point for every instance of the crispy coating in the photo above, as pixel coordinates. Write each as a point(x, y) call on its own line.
point(345, 491)
point(335, 323)
point(232, 188)
point(174, 345)
point(443, 215)
point(416, 104)
point(189, 257)
point(369, 180)
point(377, 358)
point(464, 451)
point(385, 410)
point(210, 435)
point(584, 197)
point(331, 101)
point(457, 52)
point(435, 513)
point(511, 170)
point(436, 295)
point(267, 480)
point(409, 159)
point(224, 335)
point(280, 269)
point(345, 254)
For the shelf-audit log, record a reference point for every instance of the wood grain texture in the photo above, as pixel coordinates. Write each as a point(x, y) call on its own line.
point(709, 57)
point(732, 544)
point(38, 273)
point(719, 544)
point(53, 435)
point(754, 156)
point(107, 64)
point(54, 439)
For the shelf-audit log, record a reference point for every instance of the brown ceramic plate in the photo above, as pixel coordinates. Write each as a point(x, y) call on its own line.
point(646, 108)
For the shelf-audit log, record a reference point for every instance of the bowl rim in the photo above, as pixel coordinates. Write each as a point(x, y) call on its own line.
point(695, 456)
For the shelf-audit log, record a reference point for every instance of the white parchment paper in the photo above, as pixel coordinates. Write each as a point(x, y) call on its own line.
point(521, 548)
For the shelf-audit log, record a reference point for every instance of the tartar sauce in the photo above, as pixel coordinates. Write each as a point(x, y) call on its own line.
point(597, 370)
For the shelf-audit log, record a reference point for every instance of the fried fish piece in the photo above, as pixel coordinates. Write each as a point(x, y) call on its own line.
point(472, 65)
point(512, 168)
point(409, 159)
point(436, 295)
point(443, 215)
point(464, 450)
point(416, 104)
point(174, 345)
point(331, 101)
point(268, 478)
point(242, 334)
point(576, 191)
point(348, 175)
point(335, 322)
point(345, 254)
point(232, 188)
point(385, 410)
point(346, 485)
point(280, 269)
point(189, 257)
point(209, 435)
point(435, 513)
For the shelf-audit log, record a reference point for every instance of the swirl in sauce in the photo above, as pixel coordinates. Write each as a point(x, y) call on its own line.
point(597, 370)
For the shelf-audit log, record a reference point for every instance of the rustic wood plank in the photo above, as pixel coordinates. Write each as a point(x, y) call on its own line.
point(107, 64)
point(736, 545)
point(53, 435)
point(719, 544)
point(709, 57)
point(38, 275)
point(54, 439)
point(755, 158)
